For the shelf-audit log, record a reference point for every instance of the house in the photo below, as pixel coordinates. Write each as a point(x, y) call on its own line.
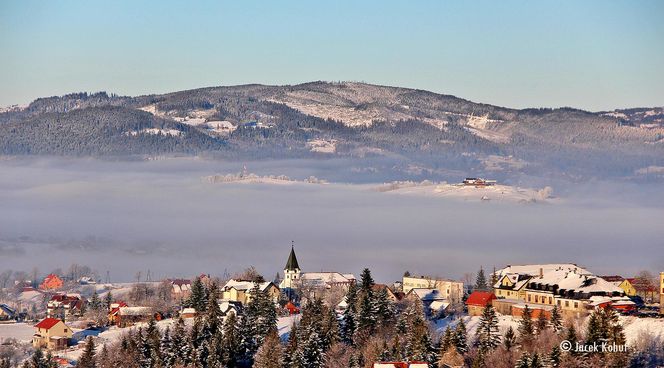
point(391, 296)
point(477, 301)
point(128, 316)
point(645, 289)
point(240, 291)
point(180, 288)
point(433, 301)
point(511, 286)
point(400, 365)
point(65, 306)
point(114, 312)
point(7, 313)
point(291, 308)
point(52, 334)
point(227, 307)
point(449, 289)
point(622, 283)
point(51, 282)
point(188, 313)
point(478, 182)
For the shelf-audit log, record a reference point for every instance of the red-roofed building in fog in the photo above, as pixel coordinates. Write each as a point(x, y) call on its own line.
point(51, 282)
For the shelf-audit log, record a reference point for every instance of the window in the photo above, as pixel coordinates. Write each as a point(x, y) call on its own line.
point(65, 330)
point(550, 301)
point(576, 304)
point(567, 303)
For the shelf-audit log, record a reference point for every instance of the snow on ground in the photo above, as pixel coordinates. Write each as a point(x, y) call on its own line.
point(500, 193)
point(634, 327)
point(20, 331)
point(154, 131)
point(322, 145)
point(220, 126)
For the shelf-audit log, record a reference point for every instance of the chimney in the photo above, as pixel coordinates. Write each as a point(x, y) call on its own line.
point(541, 273)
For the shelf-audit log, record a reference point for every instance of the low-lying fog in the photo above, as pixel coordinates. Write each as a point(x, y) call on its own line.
point(129, 217)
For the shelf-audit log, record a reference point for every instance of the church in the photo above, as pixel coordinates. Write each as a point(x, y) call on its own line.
point(295, 279)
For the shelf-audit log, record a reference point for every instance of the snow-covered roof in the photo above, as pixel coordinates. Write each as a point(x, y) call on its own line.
point(518, 281)
point(328, 277)
point(425, 294)
point(437, 305)
point(573, 281)
point(534, 269)
point(135, 311)
point(245, 285)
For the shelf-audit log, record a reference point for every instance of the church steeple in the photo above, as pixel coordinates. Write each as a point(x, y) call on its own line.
point(291, 264)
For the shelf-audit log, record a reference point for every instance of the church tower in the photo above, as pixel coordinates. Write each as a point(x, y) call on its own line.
point(291, 271)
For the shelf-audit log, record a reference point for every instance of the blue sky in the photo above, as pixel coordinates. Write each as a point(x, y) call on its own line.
point(589, 54)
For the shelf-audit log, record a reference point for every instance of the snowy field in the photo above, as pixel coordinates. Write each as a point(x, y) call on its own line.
point(20, 331)
point(496, 193)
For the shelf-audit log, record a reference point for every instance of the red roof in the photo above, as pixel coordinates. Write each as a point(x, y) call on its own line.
point(480, 298)
point(47, 323)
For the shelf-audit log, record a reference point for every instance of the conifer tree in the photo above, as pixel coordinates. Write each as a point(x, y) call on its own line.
point(572, 338)
point(536, 361)
point(509, 341)
point(367, 318)
point(269, 355)
point(554, 357)
point(556, 319)
point(168, 355)
point(87, 359)
point(524, 361)
point(231, 341)
point(460, 337)
point(542, 323)
point(330, 332)
point(146, 356)
point(181, 346)
point(198, 297)
point(488, 336)
point(311, 351)
point(526, 329)
point(108, 300)
point(480, 281)
point(349, 325)
point(290, 359)
point(594, 333)
point(385, 311)
point(95, 303)
point(446, 340)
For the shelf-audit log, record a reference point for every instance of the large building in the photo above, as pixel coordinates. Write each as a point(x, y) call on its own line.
point(449, 289)
point(572, 289)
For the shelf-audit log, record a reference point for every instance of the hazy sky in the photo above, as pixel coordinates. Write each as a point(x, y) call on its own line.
point(588, 54)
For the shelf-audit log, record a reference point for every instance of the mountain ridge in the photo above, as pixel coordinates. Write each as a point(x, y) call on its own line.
point(333, 119)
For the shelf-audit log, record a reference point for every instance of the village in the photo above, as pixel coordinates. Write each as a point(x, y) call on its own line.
point(61, 314)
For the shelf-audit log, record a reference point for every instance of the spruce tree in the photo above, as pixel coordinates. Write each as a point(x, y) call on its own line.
point(312, 352)
point(542, 323)
point(290, 357)
point(269, 355)
point(38, 360)
point(198, 297)
point(231, 341)
point(594, 332)
point(108, 300)
point(446, 340)
point(524, 361)
point(168, 355)
point(556, 319)
point(349, 322)
point(488, 336)
point(572, 338)
point(180, 343)
point(384, 307)
point(480, 281)
point(509, 341)
point(536, 361)
point(329, 327)
point(526, 329)
point(367, 319)
point(460, 337)
point(95, 303)
point(554, 357)
point(87, 359)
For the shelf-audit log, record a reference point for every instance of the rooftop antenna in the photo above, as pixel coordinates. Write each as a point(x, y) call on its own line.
point(108, 277)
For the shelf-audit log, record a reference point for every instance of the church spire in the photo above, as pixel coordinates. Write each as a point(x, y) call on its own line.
point(292, 265)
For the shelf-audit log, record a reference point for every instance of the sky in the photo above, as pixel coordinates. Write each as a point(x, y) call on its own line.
point(160, 216)
point(595, 55)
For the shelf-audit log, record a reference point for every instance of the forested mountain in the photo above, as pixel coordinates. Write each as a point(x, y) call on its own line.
point(347, 119)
